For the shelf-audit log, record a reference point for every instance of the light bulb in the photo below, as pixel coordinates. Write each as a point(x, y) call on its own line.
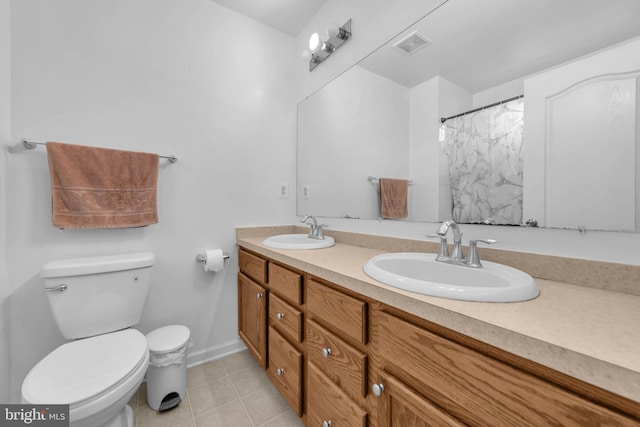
point(333, 30)
point(314, 43)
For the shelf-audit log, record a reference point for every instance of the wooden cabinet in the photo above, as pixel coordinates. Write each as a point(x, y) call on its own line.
point(286, 283)
point(400, 406)
point(252, 304)
point(478, 389)
point(252, 317)
point(286, 334)
point(336, 331)
point(286, 318)
point(346, 315)
point(328, 346)
point(285, 369)
point(253, 266)
point(328, 405)
point(343, 364)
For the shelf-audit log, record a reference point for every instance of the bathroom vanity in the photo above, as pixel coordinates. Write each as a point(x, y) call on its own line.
point(346, 350)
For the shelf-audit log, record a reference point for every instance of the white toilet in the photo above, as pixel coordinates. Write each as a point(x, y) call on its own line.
point(94, 301)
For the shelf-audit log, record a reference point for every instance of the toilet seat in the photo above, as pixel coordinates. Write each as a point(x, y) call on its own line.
point(90, 373)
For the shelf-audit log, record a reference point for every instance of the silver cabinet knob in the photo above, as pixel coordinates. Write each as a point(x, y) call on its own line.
point(280, 316)
point(326, 423)
point(326, 352)
point(280, 371)
point(259, 295)
point(377, 389)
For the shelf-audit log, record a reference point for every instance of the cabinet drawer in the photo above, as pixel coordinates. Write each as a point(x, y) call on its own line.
point(285, 369)
point(253, 266)
point(341, 363)
point(285, 318)
point(344, 314)
point(326, 402)
point(479, 389)
point(286, 283)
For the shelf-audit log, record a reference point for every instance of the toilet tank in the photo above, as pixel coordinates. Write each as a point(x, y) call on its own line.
point(96, 295)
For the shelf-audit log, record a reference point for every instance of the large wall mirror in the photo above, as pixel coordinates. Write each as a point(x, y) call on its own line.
point(573, 67)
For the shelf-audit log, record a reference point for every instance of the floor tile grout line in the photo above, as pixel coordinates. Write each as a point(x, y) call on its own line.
point(141, 400)
point(282, 414)
point(246, 413)
point(193, 417)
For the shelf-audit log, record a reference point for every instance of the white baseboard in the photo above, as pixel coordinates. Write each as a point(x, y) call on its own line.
point(199, 357)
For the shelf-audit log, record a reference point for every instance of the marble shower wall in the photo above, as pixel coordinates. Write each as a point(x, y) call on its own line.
point(484, 151)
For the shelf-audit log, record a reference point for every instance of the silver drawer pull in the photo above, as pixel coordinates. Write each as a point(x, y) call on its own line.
point(326, 423)
point(60, 288)
point(280, 371)
point(280, 316)
point(326, 352)
point(259, 295)
point(377, 389)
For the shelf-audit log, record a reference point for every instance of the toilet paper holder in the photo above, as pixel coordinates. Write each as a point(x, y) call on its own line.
point(202, 258)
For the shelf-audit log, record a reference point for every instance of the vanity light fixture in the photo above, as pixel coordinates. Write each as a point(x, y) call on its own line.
point(320, 50)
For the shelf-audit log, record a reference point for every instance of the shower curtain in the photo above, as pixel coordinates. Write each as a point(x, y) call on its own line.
point(484, 150)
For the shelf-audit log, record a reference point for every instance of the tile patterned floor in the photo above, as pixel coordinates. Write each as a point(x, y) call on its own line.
point(232, 391)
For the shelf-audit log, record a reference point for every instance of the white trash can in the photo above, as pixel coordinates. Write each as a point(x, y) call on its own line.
point(167, 373)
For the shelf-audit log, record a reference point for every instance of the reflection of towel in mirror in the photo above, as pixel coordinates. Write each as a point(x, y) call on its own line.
point(95, 187)
point(393, 198)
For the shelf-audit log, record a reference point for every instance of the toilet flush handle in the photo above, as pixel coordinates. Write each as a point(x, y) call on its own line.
point(60, 288)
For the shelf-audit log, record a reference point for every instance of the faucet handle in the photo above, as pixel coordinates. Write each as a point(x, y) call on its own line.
point(320, 231)
point(473, 259)
point(444, 249)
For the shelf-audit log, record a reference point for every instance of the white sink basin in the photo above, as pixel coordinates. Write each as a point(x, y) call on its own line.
point(298, 241)
point(421, 273)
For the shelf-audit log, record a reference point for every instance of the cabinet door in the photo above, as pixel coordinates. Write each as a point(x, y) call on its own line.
point(327, 405)
point(252, 317)
point(478, 389)
point(399, 406)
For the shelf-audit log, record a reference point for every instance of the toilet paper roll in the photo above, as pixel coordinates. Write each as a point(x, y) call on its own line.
point(214, 260)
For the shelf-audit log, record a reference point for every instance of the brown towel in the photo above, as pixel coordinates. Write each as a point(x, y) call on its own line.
point(393, 198)
point(102, 188)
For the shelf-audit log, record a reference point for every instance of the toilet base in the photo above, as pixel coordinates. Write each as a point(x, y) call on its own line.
point(124, 418)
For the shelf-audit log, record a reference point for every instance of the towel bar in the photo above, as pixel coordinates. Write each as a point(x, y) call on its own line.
point(375, 180)
point(30, 144)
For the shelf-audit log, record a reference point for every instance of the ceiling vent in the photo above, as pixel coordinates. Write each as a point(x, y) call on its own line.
point(412, 43)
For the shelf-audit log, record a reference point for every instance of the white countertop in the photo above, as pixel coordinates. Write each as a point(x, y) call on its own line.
point(588, 333)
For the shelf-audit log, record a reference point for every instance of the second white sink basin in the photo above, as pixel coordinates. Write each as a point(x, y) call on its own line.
point(298, 241)
point(421, 273)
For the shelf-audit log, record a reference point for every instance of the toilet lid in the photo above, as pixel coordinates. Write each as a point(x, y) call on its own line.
point(167, 338)
point(85, 368)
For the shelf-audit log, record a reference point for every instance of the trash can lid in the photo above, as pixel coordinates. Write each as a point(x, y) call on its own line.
point(167, 338)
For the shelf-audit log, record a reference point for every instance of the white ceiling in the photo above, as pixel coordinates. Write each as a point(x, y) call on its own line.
point(478, 44)
point(289, 16)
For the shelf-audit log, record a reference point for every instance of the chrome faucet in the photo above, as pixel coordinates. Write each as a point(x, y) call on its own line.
point(457, 256)
point(315, 231)
point(456, 253)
